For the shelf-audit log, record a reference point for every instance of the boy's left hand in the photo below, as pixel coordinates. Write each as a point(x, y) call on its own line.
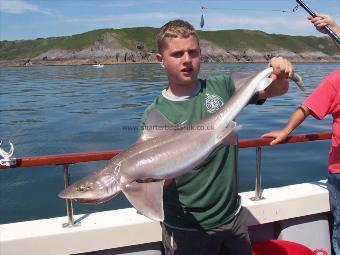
point(282, 70)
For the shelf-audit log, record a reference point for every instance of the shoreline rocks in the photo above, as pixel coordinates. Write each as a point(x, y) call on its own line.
point(104, 53)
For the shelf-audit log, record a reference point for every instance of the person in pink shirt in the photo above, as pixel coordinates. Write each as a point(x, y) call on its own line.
point(323, 101)
point(321, 20)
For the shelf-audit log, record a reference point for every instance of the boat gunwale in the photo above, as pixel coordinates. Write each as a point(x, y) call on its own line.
point(73, 158)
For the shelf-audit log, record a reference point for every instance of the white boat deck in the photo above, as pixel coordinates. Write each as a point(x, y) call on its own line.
point(125, 227)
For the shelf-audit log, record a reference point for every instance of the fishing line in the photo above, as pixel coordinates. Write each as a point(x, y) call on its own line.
point(203, 8)
point(243, 9)
point(327, 29)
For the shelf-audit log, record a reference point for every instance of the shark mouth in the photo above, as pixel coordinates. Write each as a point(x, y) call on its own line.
point(91, 201)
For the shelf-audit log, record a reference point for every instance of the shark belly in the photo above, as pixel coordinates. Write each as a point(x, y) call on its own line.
point(172, 158)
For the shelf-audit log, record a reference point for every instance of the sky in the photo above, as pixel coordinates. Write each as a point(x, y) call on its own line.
point(31, 19)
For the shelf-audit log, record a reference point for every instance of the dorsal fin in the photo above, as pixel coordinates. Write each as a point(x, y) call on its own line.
point(242, 78)
point(156, 125)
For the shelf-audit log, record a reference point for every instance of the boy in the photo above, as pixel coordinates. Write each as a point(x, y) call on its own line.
point(202, 208)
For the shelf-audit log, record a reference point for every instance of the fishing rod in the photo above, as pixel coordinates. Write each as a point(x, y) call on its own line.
point(328, 30)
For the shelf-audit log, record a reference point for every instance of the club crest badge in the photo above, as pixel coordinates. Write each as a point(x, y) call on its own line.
point(213, 102)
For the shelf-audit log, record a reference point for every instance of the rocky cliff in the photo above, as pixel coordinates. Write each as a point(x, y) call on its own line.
point(109, 48)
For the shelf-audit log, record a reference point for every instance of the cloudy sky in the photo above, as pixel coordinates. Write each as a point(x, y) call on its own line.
point(30, 19)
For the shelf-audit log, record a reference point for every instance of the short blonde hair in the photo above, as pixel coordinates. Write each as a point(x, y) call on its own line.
point(174, 29)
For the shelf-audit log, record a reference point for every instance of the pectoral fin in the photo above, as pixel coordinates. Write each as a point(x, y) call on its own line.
point(147, 198)
point(229, 134)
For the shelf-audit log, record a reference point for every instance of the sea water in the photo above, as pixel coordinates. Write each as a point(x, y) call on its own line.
point(69, 109)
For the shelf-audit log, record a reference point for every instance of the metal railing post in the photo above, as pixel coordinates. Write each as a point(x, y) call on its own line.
point(258, 187)
point(69, 206)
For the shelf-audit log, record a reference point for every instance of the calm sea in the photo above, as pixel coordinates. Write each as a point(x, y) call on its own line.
point(56, 110)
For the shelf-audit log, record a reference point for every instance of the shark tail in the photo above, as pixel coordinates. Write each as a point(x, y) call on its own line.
point(298, 81)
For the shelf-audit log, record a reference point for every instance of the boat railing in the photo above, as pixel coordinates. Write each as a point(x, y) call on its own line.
point(65, 160)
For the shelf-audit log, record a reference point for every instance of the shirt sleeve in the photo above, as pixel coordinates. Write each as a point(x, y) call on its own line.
point(255, 100)
point(320, 101)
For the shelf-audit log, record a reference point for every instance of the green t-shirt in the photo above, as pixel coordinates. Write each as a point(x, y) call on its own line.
point(206, 197)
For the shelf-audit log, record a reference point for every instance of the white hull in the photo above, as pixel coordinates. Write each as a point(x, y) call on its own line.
point(296, 213)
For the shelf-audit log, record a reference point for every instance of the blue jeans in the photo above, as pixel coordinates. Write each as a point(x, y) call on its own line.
point(334, 200)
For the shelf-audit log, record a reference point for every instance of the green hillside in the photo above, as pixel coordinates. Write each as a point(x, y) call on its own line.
point(129, 36)
point(252, 39)
point(30, 48)
point(145, 36)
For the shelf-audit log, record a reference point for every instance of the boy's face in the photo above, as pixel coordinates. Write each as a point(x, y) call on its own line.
point(181, 60)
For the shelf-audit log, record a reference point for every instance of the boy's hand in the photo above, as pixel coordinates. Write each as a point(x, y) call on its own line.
point(283, 68)
point(278, 135)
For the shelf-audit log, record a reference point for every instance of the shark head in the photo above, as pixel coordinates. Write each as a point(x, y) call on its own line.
point(92, 189)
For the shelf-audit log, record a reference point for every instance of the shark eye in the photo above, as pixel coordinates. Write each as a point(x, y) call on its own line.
point(83, 187)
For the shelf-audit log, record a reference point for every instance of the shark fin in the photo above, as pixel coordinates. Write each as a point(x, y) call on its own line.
point(155, 125)
point(147, 198)
point(240, 79)
point(229, 134)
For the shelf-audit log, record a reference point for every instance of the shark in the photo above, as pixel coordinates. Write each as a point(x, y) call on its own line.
point(167, 152)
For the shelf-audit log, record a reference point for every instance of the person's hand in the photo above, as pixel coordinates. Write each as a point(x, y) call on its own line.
point(278, 135)
point(322, 20)
point(283, 68)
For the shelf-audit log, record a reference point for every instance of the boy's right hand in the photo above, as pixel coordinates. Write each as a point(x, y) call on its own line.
point(278, 135)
